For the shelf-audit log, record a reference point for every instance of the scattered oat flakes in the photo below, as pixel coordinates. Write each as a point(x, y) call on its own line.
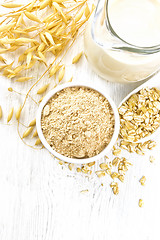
point(78, 169)
point(114, 175)
point(91, 164)
point(116, 152)
point(115, 190)
point(100, 173)
point(108, 171)
point(142, 180)
point(61, 162)
point(71, 166)
point(104, 166)
point(121, 178)
point(151, 145)
point(151, 159)
point(84, 191)
point(141, 203)
point(85, 169)
point(115, 161)
point(114, 186)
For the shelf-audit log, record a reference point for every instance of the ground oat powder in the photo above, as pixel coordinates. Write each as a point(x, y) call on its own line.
point(78, 122)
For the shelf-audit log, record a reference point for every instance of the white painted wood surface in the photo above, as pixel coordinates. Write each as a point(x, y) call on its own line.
point(41, 200)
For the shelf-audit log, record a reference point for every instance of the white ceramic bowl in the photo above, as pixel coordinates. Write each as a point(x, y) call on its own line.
point(75, 160)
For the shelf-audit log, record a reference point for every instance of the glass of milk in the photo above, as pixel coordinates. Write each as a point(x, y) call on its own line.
point(122, 39)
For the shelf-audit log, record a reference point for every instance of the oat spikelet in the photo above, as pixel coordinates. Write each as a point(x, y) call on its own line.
point(27, 132)
point(20, 20)
point(18, 113)
point(35, 134)
point(30, 29)
point(87, 11)
point(43, 89)
point(31, 5)
point(23, 40)
point(49, 37)
point(11, 5)
point(29, 57)
point(18, 69)
point(43, 39)
point(42, 57)
point(58, 8)
point(32, 17)
point(31, 65)
point(93, 7)
point(38, 142)
point(2, 67)
point(61, 74)
point(10, 115)
point(54, 69)
point(70, 80)
point(41, 47)
point(2, 59)
point(5, 27)
point(23, 79)
point(3, 51)
point(79, 15)
point(32, 123)
point(1, 114)
point(77, 58)
point(21, 58)
point(59, 1)
point(44, 4)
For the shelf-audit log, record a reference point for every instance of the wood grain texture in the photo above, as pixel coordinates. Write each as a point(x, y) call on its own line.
point(41, 200)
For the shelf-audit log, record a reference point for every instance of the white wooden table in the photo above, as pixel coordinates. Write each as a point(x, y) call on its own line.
point(41, 200)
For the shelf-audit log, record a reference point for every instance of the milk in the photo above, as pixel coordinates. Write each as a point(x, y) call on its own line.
point(137, 22)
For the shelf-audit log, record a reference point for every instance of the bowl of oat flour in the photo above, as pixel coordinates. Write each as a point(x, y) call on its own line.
point(77, 123)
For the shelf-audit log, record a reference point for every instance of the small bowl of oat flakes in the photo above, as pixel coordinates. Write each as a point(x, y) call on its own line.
point(77, 123)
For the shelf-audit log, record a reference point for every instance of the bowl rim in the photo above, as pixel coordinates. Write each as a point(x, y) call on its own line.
point(49, 95)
